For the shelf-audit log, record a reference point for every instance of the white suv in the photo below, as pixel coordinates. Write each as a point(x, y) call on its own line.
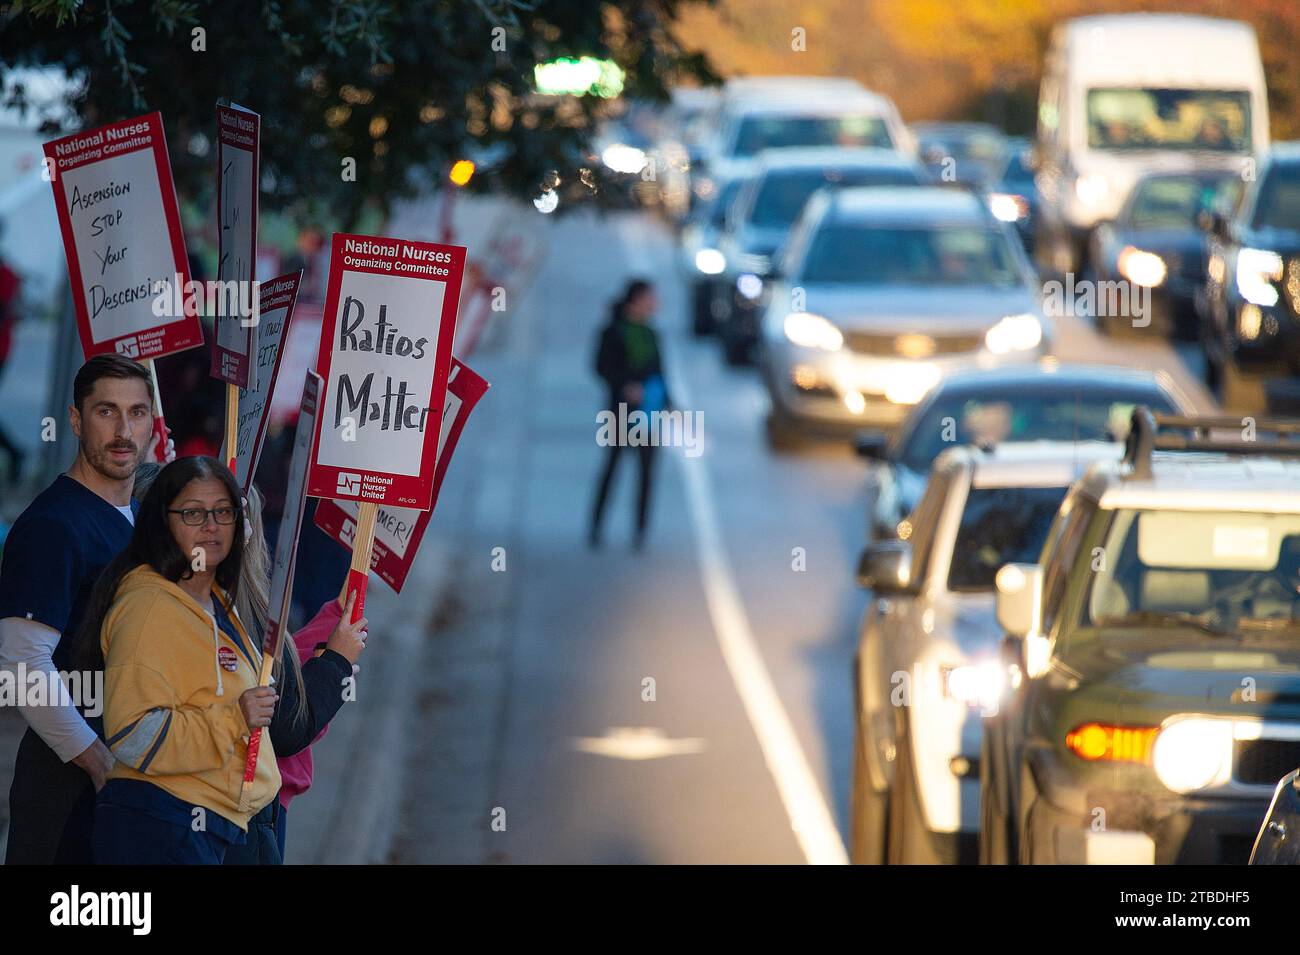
point(927, 664)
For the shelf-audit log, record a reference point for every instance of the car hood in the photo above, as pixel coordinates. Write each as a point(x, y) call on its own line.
point(928, 310)
point(1163, 241)
point(1281, 241)
point(1200, 670)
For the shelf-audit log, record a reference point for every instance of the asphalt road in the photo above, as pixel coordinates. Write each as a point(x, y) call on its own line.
point(537, 738)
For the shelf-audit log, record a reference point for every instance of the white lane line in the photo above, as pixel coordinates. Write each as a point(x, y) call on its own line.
point(810, 816)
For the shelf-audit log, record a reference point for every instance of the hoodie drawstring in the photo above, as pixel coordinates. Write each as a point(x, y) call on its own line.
point(216, 654)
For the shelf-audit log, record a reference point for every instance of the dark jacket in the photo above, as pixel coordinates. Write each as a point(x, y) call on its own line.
point(616, 365)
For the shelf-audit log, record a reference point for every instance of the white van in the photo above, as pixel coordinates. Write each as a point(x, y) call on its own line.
point(1121, 94)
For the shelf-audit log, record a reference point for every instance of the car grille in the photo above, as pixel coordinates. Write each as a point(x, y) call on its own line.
point(1262, 762)
point(1291, 284)
point(911, 345)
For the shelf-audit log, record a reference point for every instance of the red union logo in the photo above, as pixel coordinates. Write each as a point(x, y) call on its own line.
point(348, 484)
point(128, 347)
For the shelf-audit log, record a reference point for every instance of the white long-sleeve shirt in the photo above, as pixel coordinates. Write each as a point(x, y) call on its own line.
point(57, 722)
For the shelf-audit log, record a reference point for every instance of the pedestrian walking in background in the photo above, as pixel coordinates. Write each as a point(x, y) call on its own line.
point(628, 361)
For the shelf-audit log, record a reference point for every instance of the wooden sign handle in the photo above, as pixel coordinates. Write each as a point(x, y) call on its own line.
point(363, 545)
point(159, 424)
point(232, 426)
point(255, 737)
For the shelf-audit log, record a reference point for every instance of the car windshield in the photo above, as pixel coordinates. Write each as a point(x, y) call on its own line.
point(1215, 571)
point(873, 255)
point(782, 195)
point(1029, 414)
point(757, 133)
point(982, 152)
point(1169, 119)
point(1000, 525)
point(1174, 202)
point(718, 210)
point(1279, 199)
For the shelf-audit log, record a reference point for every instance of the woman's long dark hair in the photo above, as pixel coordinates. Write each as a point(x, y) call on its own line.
point(153, 544)
point(634, 288)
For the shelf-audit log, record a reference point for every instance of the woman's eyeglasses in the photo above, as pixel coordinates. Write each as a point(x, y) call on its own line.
point(197, 516)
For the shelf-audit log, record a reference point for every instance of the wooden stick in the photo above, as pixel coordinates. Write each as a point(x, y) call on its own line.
point(159, 424)
point(232, 426)
point(255, 737)
point(363, 544)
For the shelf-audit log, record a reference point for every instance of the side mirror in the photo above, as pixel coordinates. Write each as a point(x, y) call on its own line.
point(1020, 613)
point(872, 445)
point(886, 568)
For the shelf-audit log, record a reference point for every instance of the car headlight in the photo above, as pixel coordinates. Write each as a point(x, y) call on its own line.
point(976, 684)
point(1091, 188)
point(623, 158)
point(1257, 269)
point(1007, 207)
point(1141, 268)
point(1014, 333)
point(813, 331)
point(710, 261)
point(1193, 753)
point(749, 285)
point(908, 382)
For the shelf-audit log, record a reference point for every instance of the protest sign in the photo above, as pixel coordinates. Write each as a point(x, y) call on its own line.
point(277, 299)
point(385, 351)
point(238, 142)
point(129, 272)
point(286, 547)
point(398, 530)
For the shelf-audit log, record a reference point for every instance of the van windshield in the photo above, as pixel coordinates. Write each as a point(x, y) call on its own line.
point(1169, 119)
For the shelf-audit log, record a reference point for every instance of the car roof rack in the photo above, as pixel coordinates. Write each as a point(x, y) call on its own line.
point(1271, 436)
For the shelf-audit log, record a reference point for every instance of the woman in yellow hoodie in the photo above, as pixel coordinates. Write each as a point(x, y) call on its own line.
point(180, 675)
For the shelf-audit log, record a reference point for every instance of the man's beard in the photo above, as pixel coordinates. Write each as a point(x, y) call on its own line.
point(101, 460)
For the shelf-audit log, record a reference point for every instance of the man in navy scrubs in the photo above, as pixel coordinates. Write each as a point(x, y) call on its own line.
point(52, 557)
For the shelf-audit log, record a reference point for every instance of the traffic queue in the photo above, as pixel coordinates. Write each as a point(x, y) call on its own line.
point(1081, 643)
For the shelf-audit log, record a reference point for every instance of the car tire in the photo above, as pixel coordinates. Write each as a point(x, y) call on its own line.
point(782, 434)
point(908, 842)
point(1241, 391)
point(702, 311)
point(868, 809)
point(736, 350)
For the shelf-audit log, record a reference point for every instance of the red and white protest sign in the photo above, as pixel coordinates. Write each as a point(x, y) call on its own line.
point(276, 306)
point(385, 352)
point(398, 530)
point(238, 143)
point(286, 547)
point(130, 276)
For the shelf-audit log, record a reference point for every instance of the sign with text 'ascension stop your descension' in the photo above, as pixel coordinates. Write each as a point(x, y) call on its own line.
point(385, 351)
point(116, 203)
